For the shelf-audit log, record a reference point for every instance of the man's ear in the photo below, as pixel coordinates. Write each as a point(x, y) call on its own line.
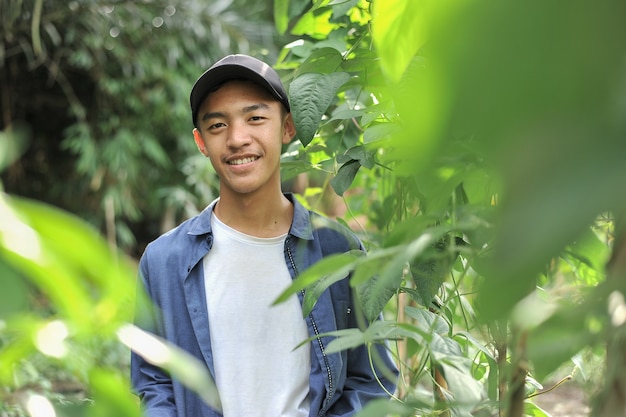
point(197, 137)
point(289, 129)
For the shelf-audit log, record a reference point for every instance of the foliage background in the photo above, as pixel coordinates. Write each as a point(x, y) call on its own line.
point(476, 146)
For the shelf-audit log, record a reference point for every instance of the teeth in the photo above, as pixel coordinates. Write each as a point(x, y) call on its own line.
point(242, 161)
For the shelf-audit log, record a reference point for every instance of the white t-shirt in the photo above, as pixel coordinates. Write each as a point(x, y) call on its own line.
point(257, 371)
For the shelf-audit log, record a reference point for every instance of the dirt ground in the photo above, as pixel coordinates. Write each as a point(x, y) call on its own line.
point(567, 400)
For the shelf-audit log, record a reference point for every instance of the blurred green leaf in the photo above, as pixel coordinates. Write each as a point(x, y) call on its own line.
point(13, 297)
point(399, 31)
point(13, 143)
point(67, 260)
point(383, 407)
point(281, 17)
point(562, 336)
point(112, 395)
point(190, 371)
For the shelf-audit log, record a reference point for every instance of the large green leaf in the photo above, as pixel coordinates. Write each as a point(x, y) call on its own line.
point(67, 260)
point(310, 95)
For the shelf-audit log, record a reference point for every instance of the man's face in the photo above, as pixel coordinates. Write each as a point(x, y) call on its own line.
point(241, 128)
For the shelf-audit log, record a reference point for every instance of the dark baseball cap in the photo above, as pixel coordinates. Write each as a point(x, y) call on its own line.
point(237, 67)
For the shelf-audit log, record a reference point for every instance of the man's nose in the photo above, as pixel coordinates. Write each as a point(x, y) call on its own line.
point(239, 135)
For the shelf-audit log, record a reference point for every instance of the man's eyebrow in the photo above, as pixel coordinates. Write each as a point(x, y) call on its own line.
point(254, 107)
point(244, 110)
point(212, 115)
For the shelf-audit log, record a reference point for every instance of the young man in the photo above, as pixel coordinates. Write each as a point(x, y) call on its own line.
point(214, 277)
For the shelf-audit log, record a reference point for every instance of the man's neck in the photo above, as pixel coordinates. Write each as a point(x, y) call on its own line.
point(256, 215)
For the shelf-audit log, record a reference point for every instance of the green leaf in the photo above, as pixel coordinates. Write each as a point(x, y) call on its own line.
point(466, 391)
point(359, 153)
point(378, 331)
point(374, 296)
point(80, 282)
point(13, 295)
point(533, 410)
point(346, 339)
point(428, 320)
point(12, 145)
point(111, 393)
point(290, 169)
point(181, 364)
point(379, 132)
point(314, 291)
point(281, 15)
point(310, 95)
point(328, 270)
point(376, 292)
point(562, 336)
point(324, 61)
point(385, 407)
point(342, 181)
point(442, 348)
point(316, 24)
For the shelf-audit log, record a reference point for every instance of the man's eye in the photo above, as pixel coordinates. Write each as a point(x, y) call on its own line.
point(216, 125)
point(256, 118)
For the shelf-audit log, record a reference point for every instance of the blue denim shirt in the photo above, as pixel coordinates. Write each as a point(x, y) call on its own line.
point(171, 269)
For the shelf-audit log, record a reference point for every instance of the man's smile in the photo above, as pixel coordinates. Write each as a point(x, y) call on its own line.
point(241, 161)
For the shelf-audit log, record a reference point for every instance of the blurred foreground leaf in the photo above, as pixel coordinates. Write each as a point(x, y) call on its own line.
point(179, 363)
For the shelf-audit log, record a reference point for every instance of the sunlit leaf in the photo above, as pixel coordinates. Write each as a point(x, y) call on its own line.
point(316, 25)
point(180, 364)
point(35, 240)
point(399, 31)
